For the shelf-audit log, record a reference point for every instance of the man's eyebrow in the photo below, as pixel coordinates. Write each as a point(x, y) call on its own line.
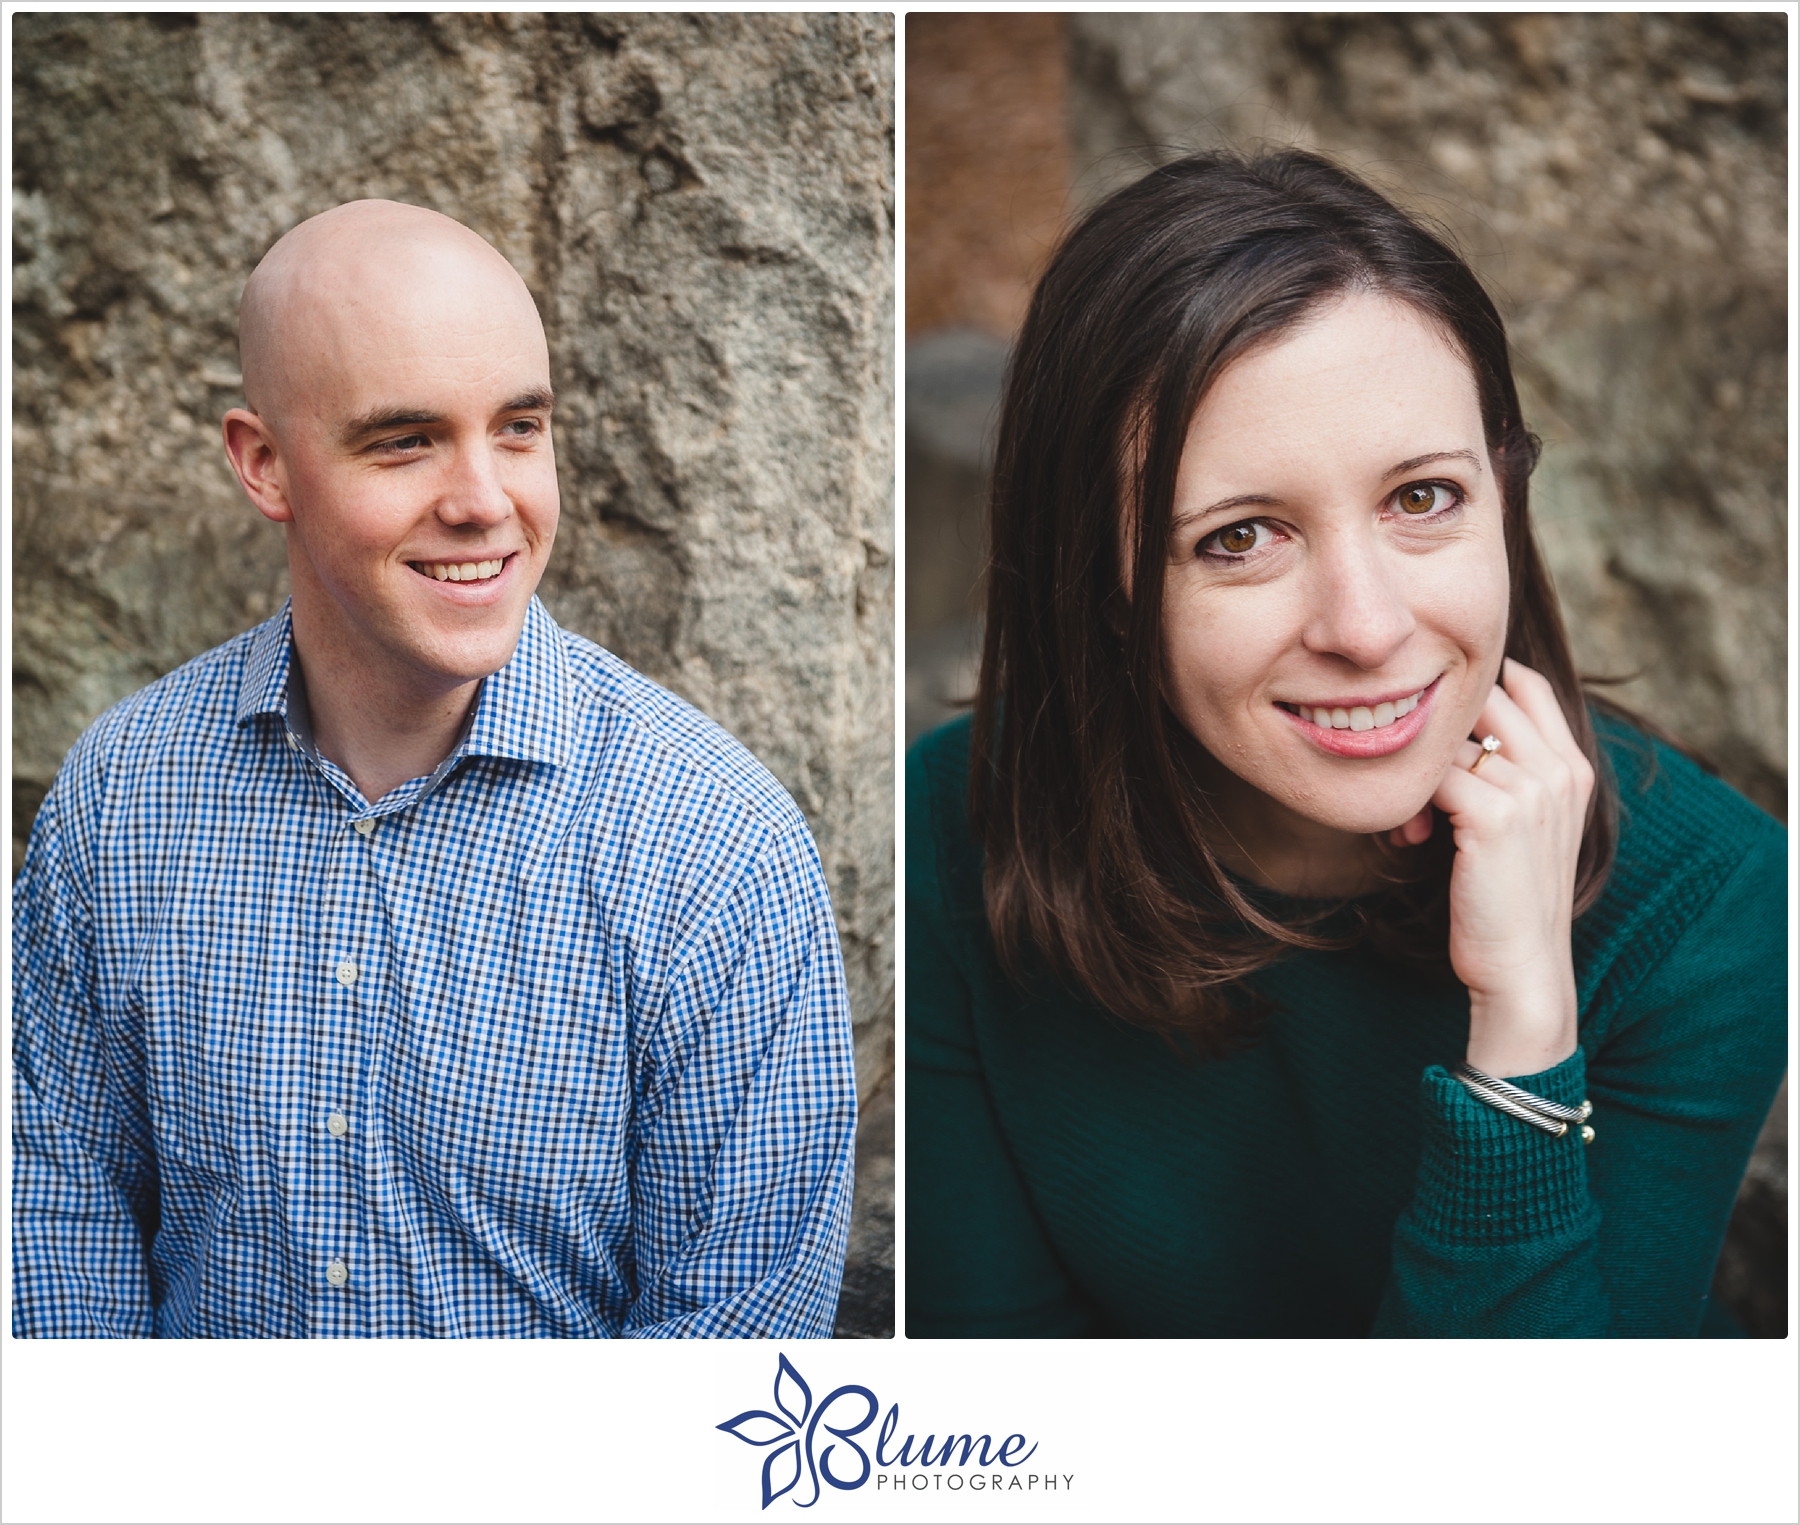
point(380, 420)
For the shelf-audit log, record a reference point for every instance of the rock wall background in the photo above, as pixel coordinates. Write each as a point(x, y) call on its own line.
point(1618, 181)
point(702, 207)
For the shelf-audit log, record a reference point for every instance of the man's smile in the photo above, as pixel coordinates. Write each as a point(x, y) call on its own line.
point(462, 571)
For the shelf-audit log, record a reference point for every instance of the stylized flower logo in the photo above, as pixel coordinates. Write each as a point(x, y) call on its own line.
point(758, 1427)
point(789, 1431)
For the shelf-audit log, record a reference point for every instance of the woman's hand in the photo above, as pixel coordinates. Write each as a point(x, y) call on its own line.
point(1518, 824)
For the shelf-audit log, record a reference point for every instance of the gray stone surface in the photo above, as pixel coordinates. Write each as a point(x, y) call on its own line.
point(702, 207)
point(866, 1301)
point(953, 382)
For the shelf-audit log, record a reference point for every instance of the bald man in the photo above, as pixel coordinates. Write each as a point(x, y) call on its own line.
point(409, 965)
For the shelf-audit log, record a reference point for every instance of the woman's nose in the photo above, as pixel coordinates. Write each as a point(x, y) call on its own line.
point(1359, 606)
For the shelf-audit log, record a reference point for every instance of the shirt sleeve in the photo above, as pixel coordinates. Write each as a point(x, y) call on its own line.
point(744, 1123)
point(978, 1260)
point(1515, 1234)
point(84, 1172)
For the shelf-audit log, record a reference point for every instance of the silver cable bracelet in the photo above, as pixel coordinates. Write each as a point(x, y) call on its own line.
point(1551, 1116)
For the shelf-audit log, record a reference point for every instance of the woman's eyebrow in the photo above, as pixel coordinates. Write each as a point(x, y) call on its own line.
point(1268, 500)
point(1413, 463)
point(1242, 500)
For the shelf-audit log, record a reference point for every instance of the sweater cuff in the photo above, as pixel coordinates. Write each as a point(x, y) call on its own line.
point(1486, 1178)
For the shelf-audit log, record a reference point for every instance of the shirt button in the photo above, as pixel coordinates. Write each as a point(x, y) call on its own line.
point(365, 826)
point(337, 1125)
point(292, 741)
point(337, 1273)
point(346, 973)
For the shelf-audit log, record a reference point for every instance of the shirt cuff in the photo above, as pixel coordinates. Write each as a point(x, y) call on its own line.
point(1486, 1178)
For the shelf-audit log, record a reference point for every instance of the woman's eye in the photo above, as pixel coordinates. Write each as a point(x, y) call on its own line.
point(1236, 539)
point(1423, 498)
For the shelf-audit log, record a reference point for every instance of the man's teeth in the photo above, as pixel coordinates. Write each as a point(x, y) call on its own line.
point(460, 571)
point(1362, 718)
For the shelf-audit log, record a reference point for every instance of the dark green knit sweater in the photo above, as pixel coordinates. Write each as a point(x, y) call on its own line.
point(1067, 1175)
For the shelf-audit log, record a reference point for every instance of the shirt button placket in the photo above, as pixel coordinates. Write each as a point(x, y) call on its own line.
point(337, 1274)
point(338, 1228)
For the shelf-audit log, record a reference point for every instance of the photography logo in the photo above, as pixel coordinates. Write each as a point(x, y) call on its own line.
point(816, 1444)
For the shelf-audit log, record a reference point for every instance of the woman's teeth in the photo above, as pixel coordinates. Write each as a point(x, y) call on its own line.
point(1362, 718)
point(460, 571)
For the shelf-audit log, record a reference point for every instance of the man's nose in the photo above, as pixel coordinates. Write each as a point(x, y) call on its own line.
point(1360, 610)
point(475, 492)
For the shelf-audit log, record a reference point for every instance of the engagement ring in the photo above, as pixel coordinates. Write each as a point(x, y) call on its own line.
point(1489, 746)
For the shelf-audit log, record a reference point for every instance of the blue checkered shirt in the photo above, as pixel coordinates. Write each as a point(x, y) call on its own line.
point(551, 1042)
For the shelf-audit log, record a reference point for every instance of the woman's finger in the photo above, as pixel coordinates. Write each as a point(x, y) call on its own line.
point(1533, 693)
point(1412, 833)
point(1466, 788)
point(1536, 748)
point(1559, 764)
point(1521, 738)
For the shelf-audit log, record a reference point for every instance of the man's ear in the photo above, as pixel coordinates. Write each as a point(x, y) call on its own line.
point(250, 444)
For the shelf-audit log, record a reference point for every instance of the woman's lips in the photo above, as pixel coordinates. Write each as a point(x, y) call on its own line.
point(1383, 741)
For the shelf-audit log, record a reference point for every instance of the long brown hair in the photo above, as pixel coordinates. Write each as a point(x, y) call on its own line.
point(1085, 791)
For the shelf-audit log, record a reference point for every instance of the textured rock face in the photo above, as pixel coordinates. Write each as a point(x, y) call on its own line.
point(702, 207)
point(1618, 181)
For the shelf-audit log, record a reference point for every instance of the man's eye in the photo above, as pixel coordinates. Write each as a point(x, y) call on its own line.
point(523, 427)
point(406, 442)
point(1422, 498)
point(1236, 539)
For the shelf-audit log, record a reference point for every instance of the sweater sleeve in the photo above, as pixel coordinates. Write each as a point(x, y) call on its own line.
point(1512, 1233)
point(977, 1258)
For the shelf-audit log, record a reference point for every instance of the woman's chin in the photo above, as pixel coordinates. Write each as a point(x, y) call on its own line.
point(1290, 799)
point(1363, 818)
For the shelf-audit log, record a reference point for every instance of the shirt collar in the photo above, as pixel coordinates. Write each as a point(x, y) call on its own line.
point(524, 708)
point(521, 712)
point(263, 690)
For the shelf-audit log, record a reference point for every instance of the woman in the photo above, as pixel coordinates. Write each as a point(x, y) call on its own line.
point(1285, 919)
